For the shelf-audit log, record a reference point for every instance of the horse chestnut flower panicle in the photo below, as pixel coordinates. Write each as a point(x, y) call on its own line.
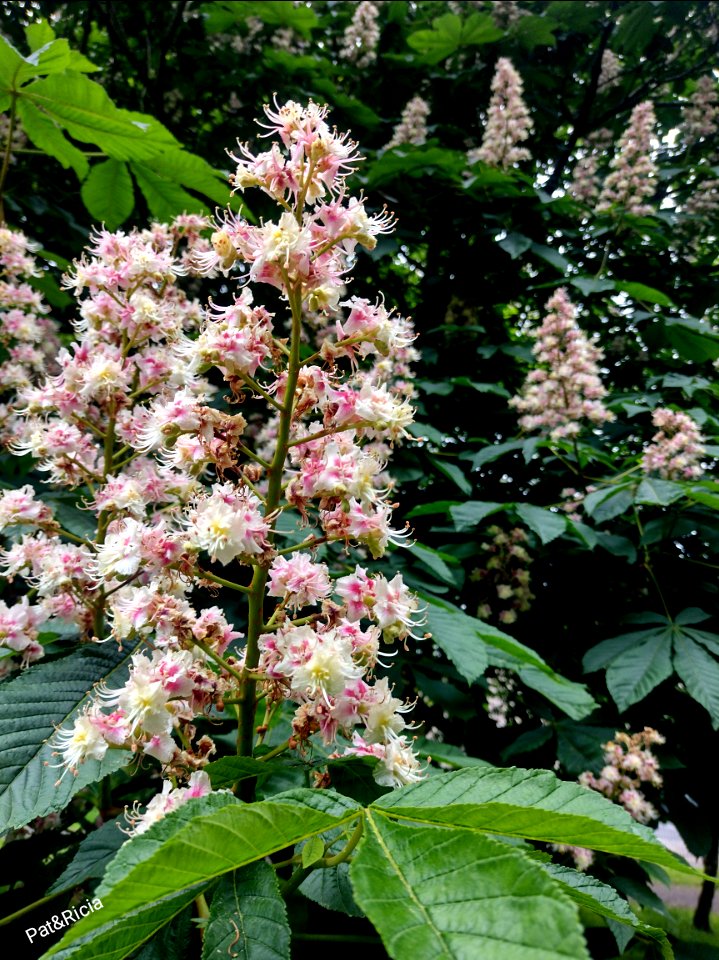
point(177, 486)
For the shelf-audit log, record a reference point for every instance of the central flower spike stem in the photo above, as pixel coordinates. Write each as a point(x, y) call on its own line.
point(256, 615)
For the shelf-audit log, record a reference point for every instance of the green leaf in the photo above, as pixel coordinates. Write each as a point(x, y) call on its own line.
point(108, 194)
point(604, 900)
point(407, 161)
point(118, 938)
point(165, 199)
point(609, 502)
point(572, 698)
point(248, 902)
point(443, 893)
point(549, 253)
point(453, 473)
point(437, 563)
point(312, 851)
point(92, 856)
point(331, 888)
point(469, 642)
point(700, 672)
point(588, 285)
point(39, 34)
point(579, 747)
point(637, 671)
point(49, 138)
point(11, 62)
point(85, 110)
point(534, 31)
point(186, 849)
point(530, 804)
point(456, 634)
point(692, 338)
point(468, 516)
point(692, 615)
point(708, 640)
point(658, 492)
point(515, 244)
point(431, 509)
point(32, 705)
point(478, 29)
point(277, 13)
point(53, 57)
point(617, 546)
point(227, 771)
point(603, 653)
point(446, 753)
point(192, 172)
point(547, 525)
point(171, 942)
point(640, 291)
point(491, 453)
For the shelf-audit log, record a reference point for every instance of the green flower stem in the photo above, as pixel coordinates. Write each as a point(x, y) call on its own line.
point(255, 619)
point(219, 660)
point(30, 906)
point(345, 852)
point(305, 545)
point(276, 752)
point(230, 584)
point(254, 385)
point(298, 877)
point(74, 537)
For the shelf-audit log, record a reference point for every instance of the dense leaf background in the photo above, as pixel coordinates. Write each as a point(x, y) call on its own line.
point(624, 629)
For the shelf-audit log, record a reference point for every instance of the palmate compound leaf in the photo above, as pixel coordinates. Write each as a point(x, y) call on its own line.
point(153, 875)
point(530, 804)
point(471, 644)
point(32, 705)
point(248, 917)
point(599, 897)
point(441, 894)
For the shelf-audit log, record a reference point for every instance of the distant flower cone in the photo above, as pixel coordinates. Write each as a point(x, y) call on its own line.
point(633, 176)
point(508, 121)
point(565, 388)
point(412, 127)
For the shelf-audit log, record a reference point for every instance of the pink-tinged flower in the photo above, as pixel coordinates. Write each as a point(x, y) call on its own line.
point(412, 127)
point(398, 763)
point(394, 609)
point(700, 117)
point(19, 624)
point(585, 176)
point(369, 525)
point(508, 121)
point(632, 180)
point(611, 71)
point(357, 592)
point(227, 523)
point(677, 447)
point(19, 507)
point(362, 36)
point(298, 581)
point(161, 746)
point(84, 740)
point(564, 389)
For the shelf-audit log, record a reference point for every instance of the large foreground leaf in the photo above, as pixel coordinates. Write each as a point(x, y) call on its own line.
point(32, 705)
point(248, 918)
point(200, 841)
point(604, 900)
point(440, 894)
point(532, 804)
point(121, 936)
